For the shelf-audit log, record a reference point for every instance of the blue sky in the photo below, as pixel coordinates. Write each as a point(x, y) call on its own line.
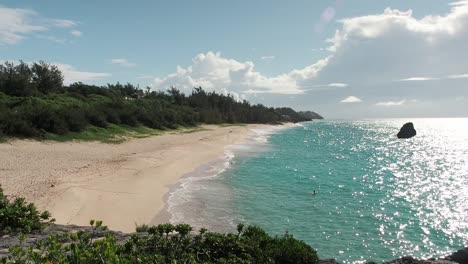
point(271, 52)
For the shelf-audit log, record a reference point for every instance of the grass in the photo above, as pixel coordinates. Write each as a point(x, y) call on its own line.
point(231, 125)
point(116, 134)
point(189, 130)
point(113, 134)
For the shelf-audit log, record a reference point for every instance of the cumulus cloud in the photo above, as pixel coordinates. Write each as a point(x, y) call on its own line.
point(71, 74)
point(214, 72)
point(122, 62)
point(16, 24)
point(385, 55)
point(351, 99)
point(395, 54)
point(395, 43)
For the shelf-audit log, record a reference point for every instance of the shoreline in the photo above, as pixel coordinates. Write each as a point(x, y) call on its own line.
point(164, 215)
point(123, 185)
point(183, 198)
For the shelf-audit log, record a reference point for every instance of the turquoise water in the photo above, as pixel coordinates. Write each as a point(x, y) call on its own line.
point(377, 198)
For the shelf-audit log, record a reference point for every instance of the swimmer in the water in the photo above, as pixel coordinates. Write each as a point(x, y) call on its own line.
point(314, 193)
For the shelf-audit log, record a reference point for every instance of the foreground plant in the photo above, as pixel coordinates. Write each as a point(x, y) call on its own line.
point(168, 244)
point(18, 216)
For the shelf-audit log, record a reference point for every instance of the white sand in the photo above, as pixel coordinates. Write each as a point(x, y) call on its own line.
point(121, 184)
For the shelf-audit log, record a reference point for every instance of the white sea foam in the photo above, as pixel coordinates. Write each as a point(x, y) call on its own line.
point(202, 199)
point(186, 190)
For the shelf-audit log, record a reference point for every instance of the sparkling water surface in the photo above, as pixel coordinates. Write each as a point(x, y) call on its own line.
point(378, 197)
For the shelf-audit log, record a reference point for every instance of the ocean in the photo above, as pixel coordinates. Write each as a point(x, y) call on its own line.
point(377, 197)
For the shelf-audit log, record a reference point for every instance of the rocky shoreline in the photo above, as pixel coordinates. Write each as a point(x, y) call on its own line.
point(7, 241)
point(461, 257)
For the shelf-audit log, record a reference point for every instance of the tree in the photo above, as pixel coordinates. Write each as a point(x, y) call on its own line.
point(47, 78)
point(16, 80)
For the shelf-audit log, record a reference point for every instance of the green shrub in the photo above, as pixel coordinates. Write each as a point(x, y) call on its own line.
point(18, 216)
point(168, 244)
point(96, 118)
point(75, 118)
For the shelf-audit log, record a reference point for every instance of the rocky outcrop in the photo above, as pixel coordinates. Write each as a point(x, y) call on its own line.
point(461, 256)
point(310, 115)
point(411, 260)
point(8, 241)
point(402, 260)
point(407, 131)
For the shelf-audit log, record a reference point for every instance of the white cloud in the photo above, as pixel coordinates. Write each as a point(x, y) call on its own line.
point(391, 103)
point(338, 85)
point(418, 79)
point(321, 87)
point(267, 57)
point(386, 55)
point(71, 74)
point(122, 62)
point(16, 24)
point(63, 23)
point(214, 72)
point(351, 99)
point(374, 52)
point(76, 33)
point(458, 76)
point(395, 43)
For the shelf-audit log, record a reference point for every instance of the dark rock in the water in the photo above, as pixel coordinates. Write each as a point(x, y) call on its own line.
point(461, 256)
point(407, 131)
point(411, 260)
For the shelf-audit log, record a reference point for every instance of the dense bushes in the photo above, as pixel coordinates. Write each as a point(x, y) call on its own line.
point(27, 80)
point(18, 216)
point(34, 102)
point(168, 244)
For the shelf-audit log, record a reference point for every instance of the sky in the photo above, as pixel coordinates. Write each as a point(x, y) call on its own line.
point(340, 58)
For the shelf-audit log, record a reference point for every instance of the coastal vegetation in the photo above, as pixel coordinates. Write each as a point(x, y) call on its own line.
point(164, 243)
point(34, 102)
point(16, 215)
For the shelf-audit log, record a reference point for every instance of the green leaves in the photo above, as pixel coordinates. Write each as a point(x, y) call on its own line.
point(169, 244)
point(18, 216)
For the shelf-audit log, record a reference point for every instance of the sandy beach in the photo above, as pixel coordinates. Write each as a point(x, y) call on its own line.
point(121, 184)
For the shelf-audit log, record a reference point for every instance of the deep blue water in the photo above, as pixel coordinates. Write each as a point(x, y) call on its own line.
point(378, 197)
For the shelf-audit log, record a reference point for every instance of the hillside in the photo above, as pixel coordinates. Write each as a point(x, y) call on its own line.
point(34, 102)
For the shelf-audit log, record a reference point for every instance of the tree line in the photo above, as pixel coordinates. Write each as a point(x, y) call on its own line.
point(34, 101)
